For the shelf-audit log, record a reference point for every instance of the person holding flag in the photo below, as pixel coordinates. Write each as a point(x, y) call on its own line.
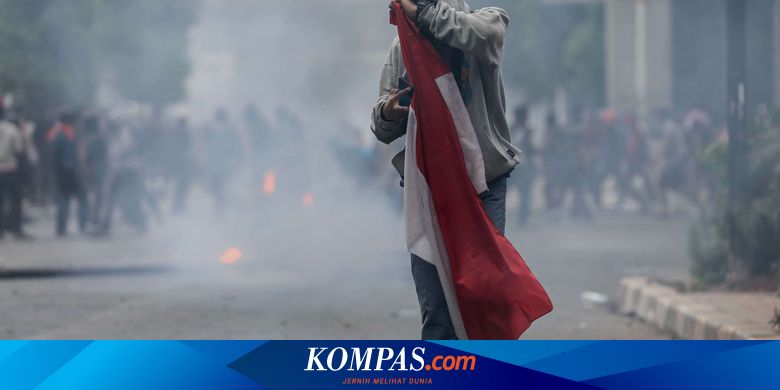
point(471, 282)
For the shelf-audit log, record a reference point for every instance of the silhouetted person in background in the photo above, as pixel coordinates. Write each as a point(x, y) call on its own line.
point(259, 131)
point(223, 148)
point(68, 171)
point(615, 148)
point(525, 173)
point(554, 164)
point(181, 164)
point(29, 161)
point(11, 150)
point(96, 163)
point(635, 166)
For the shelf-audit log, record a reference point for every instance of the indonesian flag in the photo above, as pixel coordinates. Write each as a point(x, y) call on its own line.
point(491, 293)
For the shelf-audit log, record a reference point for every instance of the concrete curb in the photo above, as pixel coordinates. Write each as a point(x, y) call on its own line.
point(693, 316)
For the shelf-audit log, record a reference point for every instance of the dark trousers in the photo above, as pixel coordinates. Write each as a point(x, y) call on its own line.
point(10, 203)
point(64, 198)
point(436, 321)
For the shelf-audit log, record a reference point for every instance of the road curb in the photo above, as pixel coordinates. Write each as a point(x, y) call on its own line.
point(687, 316)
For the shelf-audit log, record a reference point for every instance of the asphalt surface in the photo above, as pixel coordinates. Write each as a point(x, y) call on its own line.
point(336, 270)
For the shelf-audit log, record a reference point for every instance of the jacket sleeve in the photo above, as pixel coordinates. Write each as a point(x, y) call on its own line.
point(480, 33)
point(388, 131)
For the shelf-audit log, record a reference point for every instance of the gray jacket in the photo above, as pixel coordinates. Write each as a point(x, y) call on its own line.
point(480, 35)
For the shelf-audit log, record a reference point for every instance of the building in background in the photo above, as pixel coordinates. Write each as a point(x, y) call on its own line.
point(666, 54)
point(638, 52)
point(672, 53)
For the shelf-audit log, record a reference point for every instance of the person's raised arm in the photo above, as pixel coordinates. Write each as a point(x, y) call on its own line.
point(480, 33)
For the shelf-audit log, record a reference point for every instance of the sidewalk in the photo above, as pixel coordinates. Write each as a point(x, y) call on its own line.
point(700, 315)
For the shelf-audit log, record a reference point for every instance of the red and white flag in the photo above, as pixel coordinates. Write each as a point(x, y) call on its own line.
point(491, 293)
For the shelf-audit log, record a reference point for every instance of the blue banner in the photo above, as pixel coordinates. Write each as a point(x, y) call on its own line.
point(431, 365)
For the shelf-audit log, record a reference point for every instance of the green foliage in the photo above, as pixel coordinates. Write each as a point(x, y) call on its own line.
point(49, 56)
point(757, 225)
point(144, 42)
point(583, 58)
point(708, 252)
point(56, 52)
point(550, 46)
point(524, 51)
point(756, 219)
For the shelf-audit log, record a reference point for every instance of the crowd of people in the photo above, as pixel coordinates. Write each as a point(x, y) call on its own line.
point(137, 166)
point(606, 160)
point(141, 167)
point(618, 161)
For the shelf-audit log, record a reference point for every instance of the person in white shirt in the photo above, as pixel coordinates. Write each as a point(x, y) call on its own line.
point(11, 147)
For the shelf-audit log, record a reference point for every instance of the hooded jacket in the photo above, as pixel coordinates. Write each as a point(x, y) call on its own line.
point(480, 36)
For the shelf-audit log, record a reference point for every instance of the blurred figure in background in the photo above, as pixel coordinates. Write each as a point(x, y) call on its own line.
point(677, 169)
point(615, 145)
point(181, 164)
point(554, 164)
point(525, 173)
point(135, 165)
point(95, 146)
point(291, 150)
point(11, 150)
point(68, 172)
point(635, 167)
point(579, 166)
point(29, 159)
point(259, 133)
point(594, 154)
point(357, 158)
point(223, 153)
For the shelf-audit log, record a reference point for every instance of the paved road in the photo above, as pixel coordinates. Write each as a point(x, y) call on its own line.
point(335, 270)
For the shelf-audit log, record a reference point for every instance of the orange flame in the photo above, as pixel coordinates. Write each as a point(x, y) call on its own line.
point(269, 183)
point(308, 199)
point(231, 256)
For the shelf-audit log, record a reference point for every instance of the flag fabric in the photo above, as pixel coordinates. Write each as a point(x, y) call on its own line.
point(491, 293)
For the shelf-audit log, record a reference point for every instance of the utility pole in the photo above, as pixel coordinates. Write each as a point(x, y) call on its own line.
point(737, 121)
